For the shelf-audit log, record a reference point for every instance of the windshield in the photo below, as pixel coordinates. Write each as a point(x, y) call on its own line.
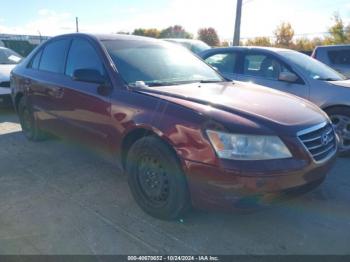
point(312, 67)
point(9, 57)
point(154, 63)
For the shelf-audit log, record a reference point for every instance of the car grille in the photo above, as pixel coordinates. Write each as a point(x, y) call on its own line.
point(320, 141)
point(5, 84)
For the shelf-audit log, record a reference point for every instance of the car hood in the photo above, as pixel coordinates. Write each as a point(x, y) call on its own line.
point(256, 103)
point(5, 71)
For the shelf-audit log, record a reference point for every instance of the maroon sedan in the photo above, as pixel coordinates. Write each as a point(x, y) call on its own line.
point(184, 135)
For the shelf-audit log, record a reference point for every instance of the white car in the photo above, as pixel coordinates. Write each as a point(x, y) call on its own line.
point(8, 60)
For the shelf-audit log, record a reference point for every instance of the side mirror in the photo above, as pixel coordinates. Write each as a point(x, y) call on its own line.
point(288, 77)
point(89, 76)
point(93, 76)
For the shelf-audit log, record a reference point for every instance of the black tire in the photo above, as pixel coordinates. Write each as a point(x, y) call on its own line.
point(28, 122)
point(342, 129)
point(156, 179)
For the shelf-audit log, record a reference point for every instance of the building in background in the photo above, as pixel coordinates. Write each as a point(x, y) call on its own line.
point(22, 44)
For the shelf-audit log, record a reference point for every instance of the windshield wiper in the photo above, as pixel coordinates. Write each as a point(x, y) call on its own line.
point(210, 81)
point(142, 84)
point(162, 84)
point(327, 79)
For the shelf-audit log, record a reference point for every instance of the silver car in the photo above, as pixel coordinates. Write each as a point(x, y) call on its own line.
point(196, 46)
point(335, 56)
point(291, 72)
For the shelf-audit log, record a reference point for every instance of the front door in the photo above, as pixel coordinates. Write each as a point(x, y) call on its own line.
point(264, 69)
point(44, 82)
point(82, 110)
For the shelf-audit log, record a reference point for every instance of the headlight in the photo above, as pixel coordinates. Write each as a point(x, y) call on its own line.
point(248, 147)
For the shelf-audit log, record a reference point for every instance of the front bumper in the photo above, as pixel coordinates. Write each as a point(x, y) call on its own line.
point(216, 188)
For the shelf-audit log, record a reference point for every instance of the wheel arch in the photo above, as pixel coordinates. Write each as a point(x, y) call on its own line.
point(329, 107)
point(136, 134)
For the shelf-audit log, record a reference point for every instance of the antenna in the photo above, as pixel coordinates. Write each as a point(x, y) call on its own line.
point(40, 39)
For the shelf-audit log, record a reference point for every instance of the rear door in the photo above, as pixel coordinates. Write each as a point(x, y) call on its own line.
point(46, 71)
point(264, 69)
point(84, 112)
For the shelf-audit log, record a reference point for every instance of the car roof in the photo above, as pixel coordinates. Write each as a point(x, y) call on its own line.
point(182, 40)
point(332, 46)
point(273, 49)
point(106, 37)
point(243, 48)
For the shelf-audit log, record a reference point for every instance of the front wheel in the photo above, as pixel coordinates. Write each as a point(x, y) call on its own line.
point(156, 179)
point(340, 117)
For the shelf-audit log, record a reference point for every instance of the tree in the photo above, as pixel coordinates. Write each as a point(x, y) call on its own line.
point(225, 43)
point(259, 41)
point(209, 36)
point(347, 31)
point(176, 31)
point(317, 41)
point(151, 32)
point(304, 44)
point(284, 35)
point(337, 31)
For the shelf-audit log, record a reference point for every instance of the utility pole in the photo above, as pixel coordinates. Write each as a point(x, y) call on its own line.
point(39, 36)
point(77, 24)
point(237, 34)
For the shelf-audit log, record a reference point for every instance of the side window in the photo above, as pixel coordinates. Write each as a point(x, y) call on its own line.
point(224, 62)
point(34, 64)
point(83, 56)
point(53, 57)
point(261, 65)
point(340, 57)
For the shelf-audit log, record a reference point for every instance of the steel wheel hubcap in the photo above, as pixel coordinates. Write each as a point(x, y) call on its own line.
point(153, 180)
point(341, 125)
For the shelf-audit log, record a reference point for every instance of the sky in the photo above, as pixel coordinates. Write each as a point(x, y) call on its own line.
point(259, 17)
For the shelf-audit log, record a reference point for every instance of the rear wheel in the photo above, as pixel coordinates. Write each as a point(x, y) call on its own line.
point(27, 121)
point(340, 117)
point(156, 179)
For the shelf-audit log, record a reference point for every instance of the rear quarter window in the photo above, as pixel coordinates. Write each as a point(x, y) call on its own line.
point(54, 55)
point(34, 63)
